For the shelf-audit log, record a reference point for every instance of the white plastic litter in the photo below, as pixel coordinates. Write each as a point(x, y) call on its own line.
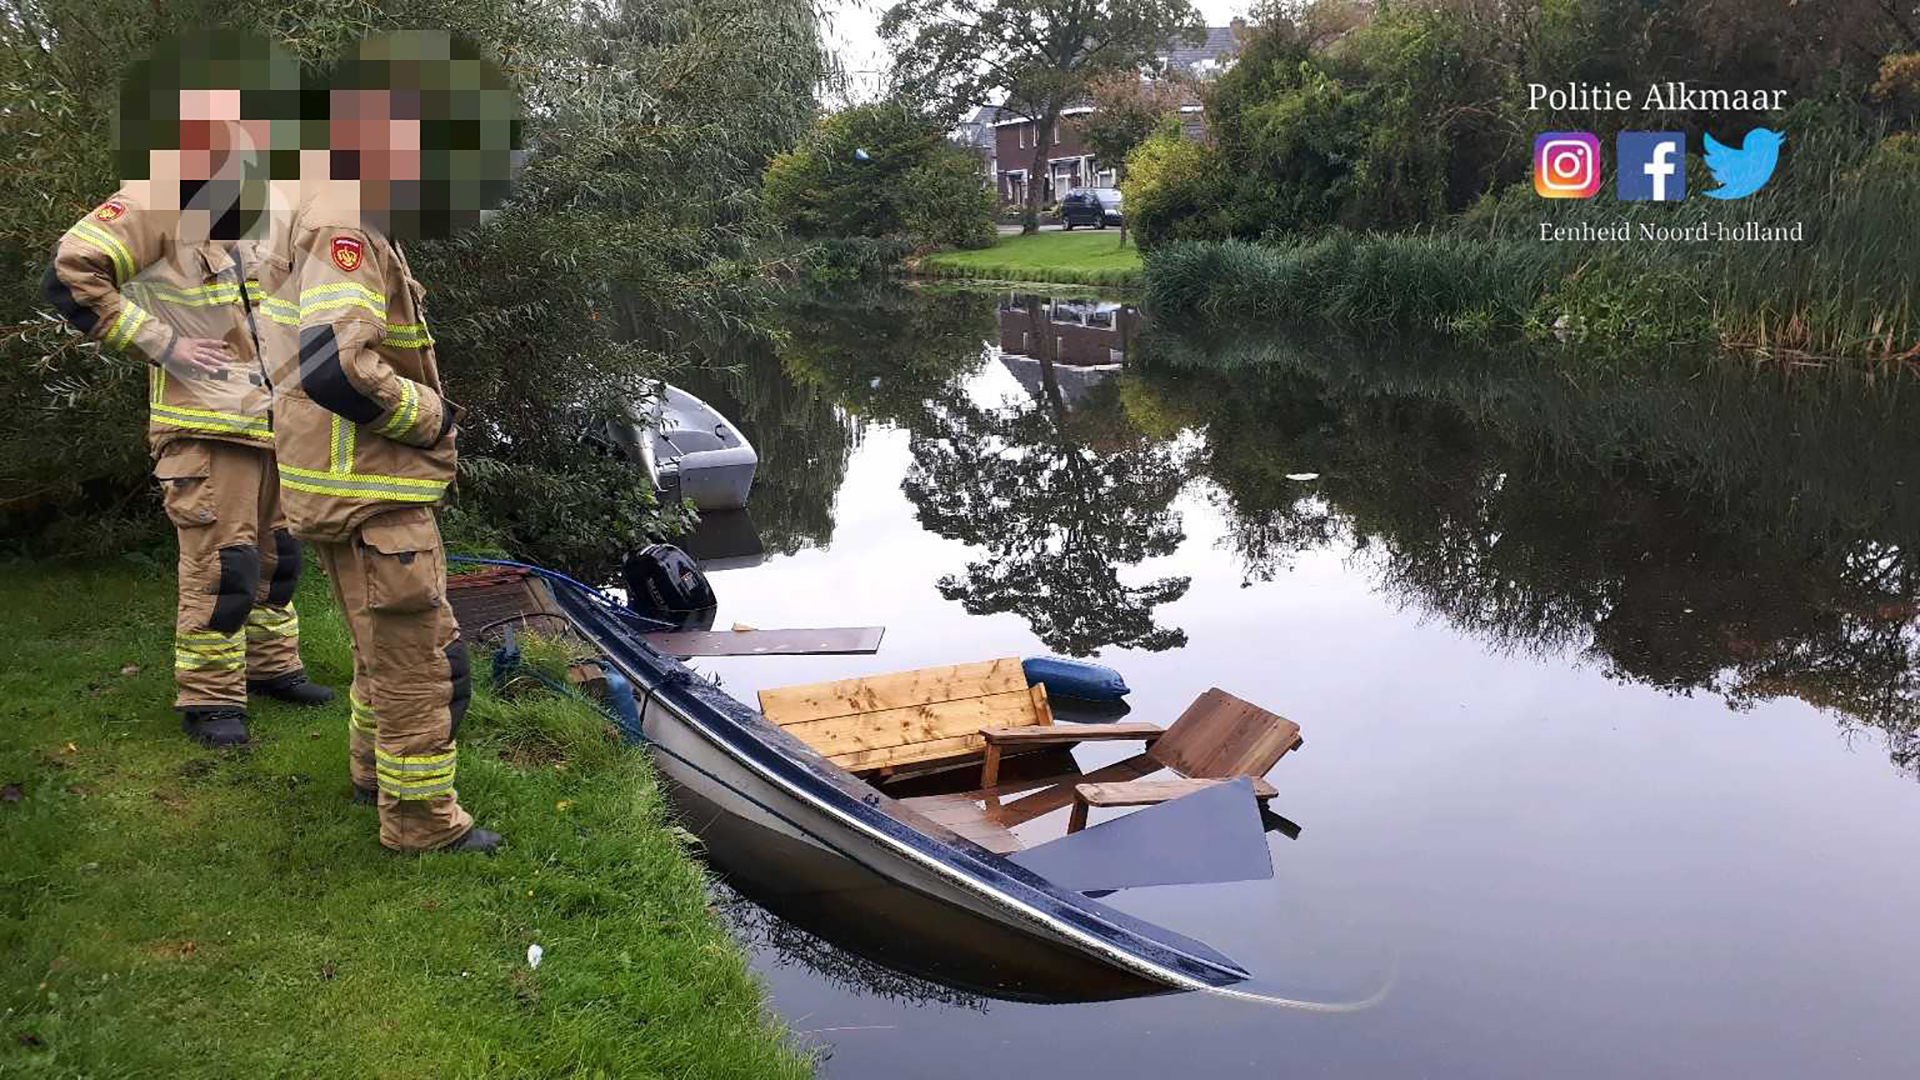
point(534, 953)
point(1303, 476)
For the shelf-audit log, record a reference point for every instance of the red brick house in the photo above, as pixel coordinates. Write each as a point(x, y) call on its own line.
point(1069, 163)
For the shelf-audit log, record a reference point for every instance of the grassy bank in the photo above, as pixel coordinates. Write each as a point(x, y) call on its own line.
point(1094, 257)
point(171, 911)
point(1839, 279)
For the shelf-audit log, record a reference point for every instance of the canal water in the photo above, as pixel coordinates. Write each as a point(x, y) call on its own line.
point(1607, 676)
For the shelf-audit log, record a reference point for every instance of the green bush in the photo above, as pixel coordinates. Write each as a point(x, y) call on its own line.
point(947, 203)
point(912, 180)
point(1174, 190)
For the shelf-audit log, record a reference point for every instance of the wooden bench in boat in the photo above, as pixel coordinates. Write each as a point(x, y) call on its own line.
point(926, 718)
point(1145, 793)
point(1218, 738)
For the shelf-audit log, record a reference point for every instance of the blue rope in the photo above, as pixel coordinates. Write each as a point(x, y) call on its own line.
point(609, 602)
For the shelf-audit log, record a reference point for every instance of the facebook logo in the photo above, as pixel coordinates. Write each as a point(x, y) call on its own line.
point(1653, 166)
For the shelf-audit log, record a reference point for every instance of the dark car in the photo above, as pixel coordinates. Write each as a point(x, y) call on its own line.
point(1098, 207)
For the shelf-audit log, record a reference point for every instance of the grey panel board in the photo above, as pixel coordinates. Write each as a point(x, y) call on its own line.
point(1214, 834)
point(822, 641)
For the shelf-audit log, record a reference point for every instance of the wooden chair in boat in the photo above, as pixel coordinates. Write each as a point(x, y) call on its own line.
point(925, 719)
point(1218, 738)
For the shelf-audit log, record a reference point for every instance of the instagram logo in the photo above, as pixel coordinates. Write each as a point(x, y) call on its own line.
point(1566, 165)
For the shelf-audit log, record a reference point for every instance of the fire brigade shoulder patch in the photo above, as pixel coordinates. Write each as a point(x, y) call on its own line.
point(346, 253)
point(111, 210)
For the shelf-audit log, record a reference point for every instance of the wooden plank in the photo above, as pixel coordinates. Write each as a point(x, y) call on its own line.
point(842, 697)
point(820, 641)
point(1221, 736)
point(1042, 713)
point(964, 816)
point(1149, 792)
point(1072, 733)
point(915, 723)
point(859, 760)
point(1055, 796)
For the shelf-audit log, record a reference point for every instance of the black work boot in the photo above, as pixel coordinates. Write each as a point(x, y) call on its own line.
point(477, 839)
point(217, 725)
point(293, 688)
point(365, 796)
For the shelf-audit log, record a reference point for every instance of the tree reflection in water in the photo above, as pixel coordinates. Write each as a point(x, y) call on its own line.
point(1688, 527)
point(1058, 500)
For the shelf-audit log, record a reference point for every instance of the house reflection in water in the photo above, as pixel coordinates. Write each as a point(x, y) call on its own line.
point(1082, 341)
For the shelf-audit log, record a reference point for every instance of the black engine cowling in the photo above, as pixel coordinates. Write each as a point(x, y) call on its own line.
point(665, 581)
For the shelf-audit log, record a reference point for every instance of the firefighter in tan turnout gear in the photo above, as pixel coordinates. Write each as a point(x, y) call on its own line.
point(166, 271)
point(366, 438)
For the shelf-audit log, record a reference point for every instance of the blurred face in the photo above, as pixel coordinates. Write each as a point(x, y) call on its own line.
point(382, 129)
point(214, 139)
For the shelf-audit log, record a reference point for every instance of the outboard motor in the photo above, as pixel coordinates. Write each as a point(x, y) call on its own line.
point(665, 582)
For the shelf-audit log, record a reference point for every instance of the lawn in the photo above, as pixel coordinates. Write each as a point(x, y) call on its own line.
point(1092, 257)
point(172, 911)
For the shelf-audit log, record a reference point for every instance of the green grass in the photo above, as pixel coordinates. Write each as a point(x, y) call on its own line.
point(1092, 257)
point(171, 911)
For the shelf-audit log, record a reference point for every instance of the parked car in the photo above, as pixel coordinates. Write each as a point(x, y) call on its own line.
point(1098, 207)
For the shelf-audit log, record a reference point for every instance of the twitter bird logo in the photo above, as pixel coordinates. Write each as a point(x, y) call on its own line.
point(1742, 172)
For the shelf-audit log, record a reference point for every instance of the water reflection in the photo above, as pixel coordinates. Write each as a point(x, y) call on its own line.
point(1685, 527)
point(1481, 541)
point(1688, 529)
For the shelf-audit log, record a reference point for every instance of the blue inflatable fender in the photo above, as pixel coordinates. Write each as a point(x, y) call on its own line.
point(1075, 678)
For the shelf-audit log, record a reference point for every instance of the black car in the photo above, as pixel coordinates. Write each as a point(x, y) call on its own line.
point(1098, 207)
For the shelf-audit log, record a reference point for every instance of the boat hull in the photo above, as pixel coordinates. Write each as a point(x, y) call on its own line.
point(785, 823)
point(694, 453)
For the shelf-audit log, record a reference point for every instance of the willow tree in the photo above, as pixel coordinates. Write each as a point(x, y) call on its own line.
point(1033, 59)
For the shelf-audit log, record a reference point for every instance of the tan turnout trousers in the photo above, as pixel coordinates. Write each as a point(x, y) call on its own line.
point(410, 674)
point(234, 618)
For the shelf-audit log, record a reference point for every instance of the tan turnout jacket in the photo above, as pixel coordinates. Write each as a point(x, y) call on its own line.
point(121, 276)
point(360, 424)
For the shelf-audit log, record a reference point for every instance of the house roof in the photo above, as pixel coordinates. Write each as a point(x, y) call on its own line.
point(1221, 45)
point(1208, 57)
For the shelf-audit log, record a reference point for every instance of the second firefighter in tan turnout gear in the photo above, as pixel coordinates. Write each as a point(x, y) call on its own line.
point(127, 277)
point(366, 446)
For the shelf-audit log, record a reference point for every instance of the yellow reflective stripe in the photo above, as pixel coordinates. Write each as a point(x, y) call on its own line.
point(214, 426)
point(340, 440)
point(284, 312)
point(197, 650)
point(361, 485)
point(407, 336)
point(265, 622)
point(421, 791)
point(342, 294)
point(360, 717)
point(406, 413)
point(343, 287)
point(202, 296)
point(109, 245)
point(206, 420)
point(159, 384)
point(421, 776)
point(417, 761)
point(120, 332)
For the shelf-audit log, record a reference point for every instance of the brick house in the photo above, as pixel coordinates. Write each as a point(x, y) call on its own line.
point(1069, 163)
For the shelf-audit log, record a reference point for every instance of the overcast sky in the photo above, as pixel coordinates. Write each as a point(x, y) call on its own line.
point(851, 29)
